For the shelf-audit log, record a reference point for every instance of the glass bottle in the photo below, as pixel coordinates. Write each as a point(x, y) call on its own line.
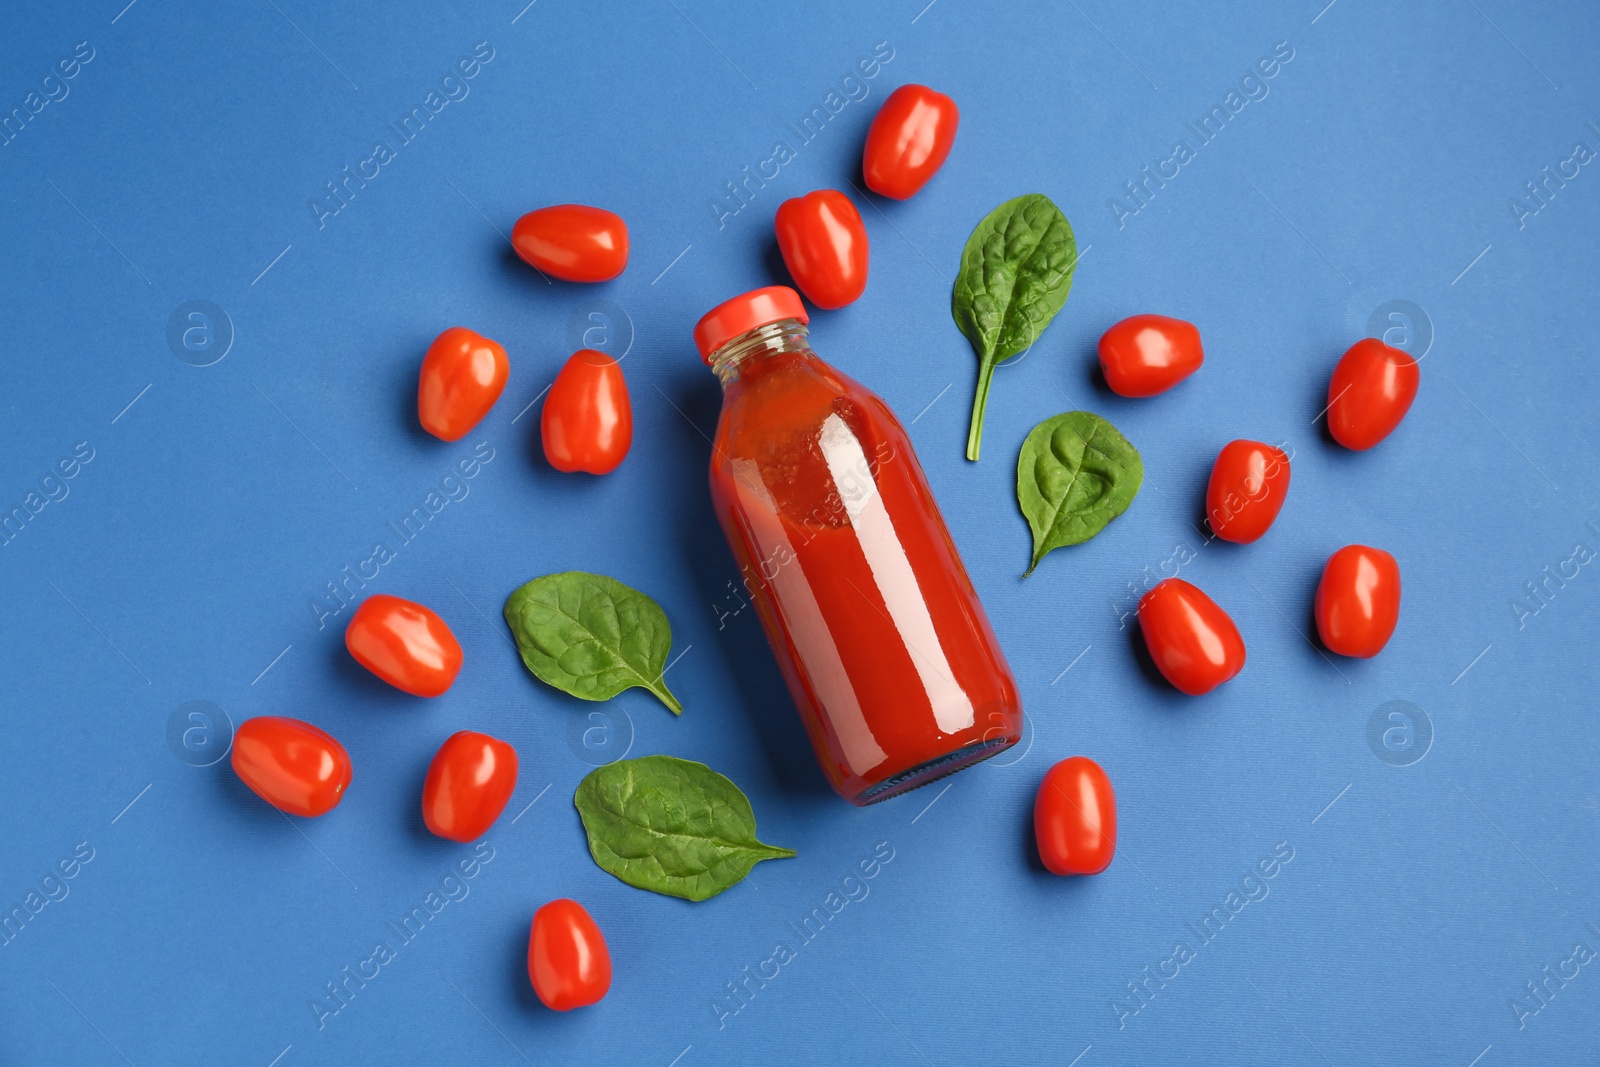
point(876, 627)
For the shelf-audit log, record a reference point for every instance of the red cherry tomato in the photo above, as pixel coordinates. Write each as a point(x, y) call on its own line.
point(290, 764)
point(469, 783)
point(1248, 485)
point(574, 242)
point(1149, 354)
point(824, 245)
point(587, 423)
point(1194, 643)
point(909, 140)
point(568, 961)
point(405, 644)
point(1358, 601)
point(1370, 392)
point(1075, 818)
point(463, 374)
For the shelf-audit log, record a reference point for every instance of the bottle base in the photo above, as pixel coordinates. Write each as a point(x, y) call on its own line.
point(931, 771)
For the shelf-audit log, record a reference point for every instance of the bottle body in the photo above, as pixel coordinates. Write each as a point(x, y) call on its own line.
point(876, 627)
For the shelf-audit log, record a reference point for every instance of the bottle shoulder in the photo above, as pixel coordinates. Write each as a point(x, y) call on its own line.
point(783, 405)
point(799, 441)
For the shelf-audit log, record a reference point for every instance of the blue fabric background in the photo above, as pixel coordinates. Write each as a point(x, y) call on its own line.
point(1443, 849)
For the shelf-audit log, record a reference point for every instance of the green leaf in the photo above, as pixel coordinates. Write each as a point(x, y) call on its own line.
point(591, 636)
point(1075, 474)
point(670, 826)
point(1015, 274)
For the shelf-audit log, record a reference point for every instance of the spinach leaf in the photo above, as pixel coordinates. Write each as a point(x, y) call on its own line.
point(1075, 474)
point(1015, 274)
point(670, 826)
point(591, 636)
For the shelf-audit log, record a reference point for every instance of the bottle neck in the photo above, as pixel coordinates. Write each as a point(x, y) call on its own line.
point(736, 357)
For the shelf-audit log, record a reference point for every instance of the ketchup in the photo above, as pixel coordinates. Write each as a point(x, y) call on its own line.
point(887, 652)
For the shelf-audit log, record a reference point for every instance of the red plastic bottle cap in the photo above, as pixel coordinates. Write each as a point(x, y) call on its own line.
point(744, 313)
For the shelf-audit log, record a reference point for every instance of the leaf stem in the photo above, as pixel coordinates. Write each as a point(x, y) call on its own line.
point(980, 400)
point(659, 688)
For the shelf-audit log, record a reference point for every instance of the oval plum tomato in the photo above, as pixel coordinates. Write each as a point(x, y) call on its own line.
point(1358, 601)
point(290, 764)
point(1075, 818)
point(573, 242)
point(1248, 485)
point(469, 783)
point(908, 141)
point(405, 644)
point(1194, 643)
point(1370, 392)
point(824, 245)
point(463, 375)
point(568, 961)
point(587, 422)
point(1149, 354)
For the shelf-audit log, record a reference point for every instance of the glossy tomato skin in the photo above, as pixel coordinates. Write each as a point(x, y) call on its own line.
point(405, 644)
point(1371, 390)
point(568, 961)
point(573, 241)
point(469, 783)
point(463, 375)
point(587, 422)
point(1075, 818)
point(292, 765)
point(1148, 354)
point(824, 245)
point(1248, 485)
point(909, 140)
point(1358, 601)
point(1193, 642)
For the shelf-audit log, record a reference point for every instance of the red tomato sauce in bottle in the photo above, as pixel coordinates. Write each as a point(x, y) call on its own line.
point(876, 627)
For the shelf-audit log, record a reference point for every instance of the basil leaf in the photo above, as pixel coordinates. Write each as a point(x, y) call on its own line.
point(670, 826)
point(591, 636)
point(1015, 274)
point(1075, 474)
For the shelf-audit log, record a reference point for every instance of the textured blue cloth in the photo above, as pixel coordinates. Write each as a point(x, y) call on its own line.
point(230, 232)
